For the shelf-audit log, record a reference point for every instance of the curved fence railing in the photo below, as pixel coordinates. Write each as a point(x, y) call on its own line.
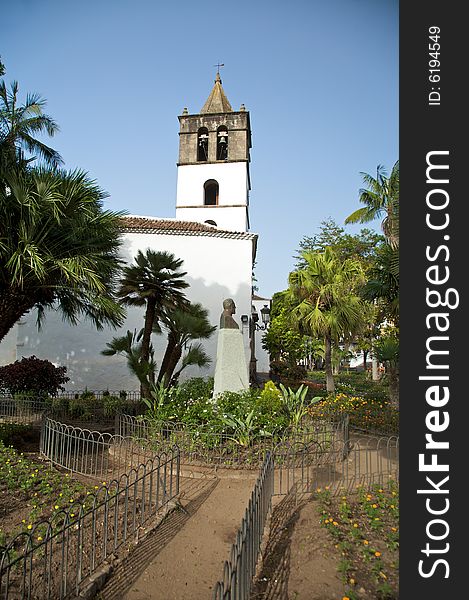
point(55, 559)
point(92, 453)
point(25, 410)
point(360, 461)
point(203, 445)
point(69, 407)
point(240, 568)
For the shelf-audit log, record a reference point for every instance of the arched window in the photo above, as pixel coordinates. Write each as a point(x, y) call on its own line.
point(222, 143)
point(211, 192)
point(202, 144)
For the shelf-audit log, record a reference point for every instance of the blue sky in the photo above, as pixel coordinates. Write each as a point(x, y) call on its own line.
point(320, 79)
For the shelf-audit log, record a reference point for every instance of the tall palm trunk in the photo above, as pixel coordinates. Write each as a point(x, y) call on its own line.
point(172, 342)
point(150, 315)
point(330, 386)
point(174, 359)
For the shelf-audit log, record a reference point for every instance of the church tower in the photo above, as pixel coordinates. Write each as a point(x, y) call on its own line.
point(213, 170)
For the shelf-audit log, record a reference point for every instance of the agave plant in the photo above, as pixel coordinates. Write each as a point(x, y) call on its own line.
point(295, 403)
point(244, 430)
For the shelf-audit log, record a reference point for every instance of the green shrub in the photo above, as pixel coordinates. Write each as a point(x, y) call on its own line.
point(10, 433)
point(32, 375)
point(113, 405)
point(286, 371)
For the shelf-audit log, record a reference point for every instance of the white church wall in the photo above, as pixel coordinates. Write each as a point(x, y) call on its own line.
point(230, 219)
point(217, 268)
point(233, 184)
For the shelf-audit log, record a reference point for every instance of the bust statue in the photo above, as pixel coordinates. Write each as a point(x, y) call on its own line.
point(226, 319)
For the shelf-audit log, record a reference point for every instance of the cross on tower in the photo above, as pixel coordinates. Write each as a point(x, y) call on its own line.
point(218, 65)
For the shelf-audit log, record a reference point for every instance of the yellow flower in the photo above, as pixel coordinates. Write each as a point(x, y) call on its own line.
point(56, 507)
point(393, 528)
point(352, 581)
point(30, 526)
point(335, 523)
point(374, 505)
point(366, 542)
point(39, 538)
point(377, 554)
point(355, 525)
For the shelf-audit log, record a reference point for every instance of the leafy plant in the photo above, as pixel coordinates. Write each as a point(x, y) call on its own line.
point(295, 403)
point(243, 429)
point(33, 375)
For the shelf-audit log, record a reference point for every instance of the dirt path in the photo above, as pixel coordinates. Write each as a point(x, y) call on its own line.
point(299, 560)
point(183, 558)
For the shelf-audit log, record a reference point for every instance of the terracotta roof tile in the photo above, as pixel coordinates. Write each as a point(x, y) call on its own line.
point(174, 227)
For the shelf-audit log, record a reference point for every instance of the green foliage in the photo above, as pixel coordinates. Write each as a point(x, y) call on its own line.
point(243, 431)
point(282, 341)
point(295, 403)
point(380, 199)
point(362, 245)
point(34, 376)
point(10, 432)
point(130, 346)
point(113, 405)
point(58, 248)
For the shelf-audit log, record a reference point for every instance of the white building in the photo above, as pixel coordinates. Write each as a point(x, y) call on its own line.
point(210, 234)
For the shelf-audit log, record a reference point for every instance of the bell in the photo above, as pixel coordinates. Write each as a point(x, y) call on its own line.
point(222, 140)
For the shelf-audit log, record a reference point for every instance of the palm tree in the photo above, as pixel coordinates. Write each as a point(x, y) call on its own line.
point(381, 199)
point(58, 248)
point(130, 346)
point(382, 287)
point(20, 124)
point(184, 325)
point(153, 281)
point(325, 300)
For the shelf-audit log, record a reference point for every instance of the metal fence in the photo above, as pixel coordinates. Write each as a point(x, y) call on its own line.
point(56, 558)
point(359, 461)
point(239, 570)
point(92, 453)
point(203, 445)
point(99, 409)
point(24, 410)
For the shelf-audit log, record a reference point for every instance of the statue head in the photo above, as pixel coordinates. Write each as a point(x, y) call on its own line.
point(226, 319)
point(229, 306)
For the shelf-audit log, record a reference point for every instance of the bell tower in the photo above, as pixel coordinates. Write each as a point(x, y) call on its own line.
point(213, 170)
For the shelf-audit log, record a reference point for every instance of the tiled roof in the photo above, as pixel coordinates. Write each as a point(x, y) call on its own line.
point(217, 102)
point(174, 227)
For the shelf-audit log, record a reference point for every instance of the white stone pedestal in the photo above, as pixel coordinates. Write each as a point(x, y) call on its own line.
point(231, 370)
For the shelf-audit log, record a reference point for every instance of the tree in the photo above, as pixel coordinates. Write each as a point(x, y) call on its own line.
point(130, 346)
point(184, 325)
point(19, 126)
point(153, 281)
point(382, 286)
point(381, 199)
point(326, 302)
point(58, 248)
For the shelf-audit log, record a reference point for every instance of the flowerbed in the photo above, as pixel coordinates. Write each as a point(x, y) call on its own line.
point(365, 530)
point(369, 414)
point(32, 491)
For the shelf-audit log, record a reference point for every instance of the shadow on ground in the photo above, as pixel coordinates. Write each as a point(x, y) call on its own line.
point(272, 580)
point(194, 494)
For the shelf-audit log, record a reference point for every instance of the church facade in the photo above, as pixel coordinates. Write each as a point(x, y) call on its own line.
point(210, 233)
